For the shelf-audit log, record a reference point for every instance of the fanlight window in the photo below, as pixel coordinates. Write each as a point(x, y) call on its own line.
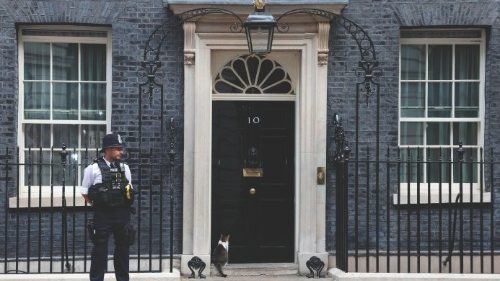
point(253, 74)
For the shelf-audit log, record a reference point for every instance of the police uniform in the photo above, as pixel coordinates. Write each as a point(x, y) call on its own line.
point(103, 181)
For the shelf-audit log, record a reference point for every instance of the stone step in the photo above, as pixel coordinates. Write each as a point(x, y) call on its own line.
point(258, 269)
point(256, 278)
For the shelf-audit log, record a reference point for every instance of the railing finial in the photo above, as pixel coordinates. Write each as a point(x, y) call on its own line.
point(64, 154)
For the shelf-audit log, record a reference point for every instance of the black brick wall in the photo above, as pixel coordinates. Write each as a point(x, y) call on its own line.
point(383, 21)
point(131, 23)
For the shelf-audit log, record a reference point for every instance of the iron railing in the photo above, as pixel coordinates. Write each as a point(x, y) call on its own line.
point(406, 223)
point(44, 216)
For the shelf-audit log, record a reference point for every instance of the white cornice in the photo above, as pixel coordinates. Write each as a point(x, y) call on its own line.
point(247, 2)
point(178, 7)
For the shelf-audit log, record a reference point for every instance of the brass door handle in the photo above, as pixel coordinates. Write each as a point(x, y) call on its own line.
point(252, 191)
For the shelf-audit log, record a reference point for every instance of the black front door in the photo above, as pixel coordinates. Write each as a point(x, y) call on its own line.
point(253, 179)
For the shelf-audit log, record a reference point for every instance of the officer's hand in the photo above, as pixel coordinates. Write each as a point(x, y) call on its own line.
point(128, 192)
point(87, 199)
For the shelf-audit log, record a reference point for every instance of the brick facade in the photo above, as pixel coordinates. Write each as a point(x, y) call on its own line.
point(131, 23)
point(383, 21)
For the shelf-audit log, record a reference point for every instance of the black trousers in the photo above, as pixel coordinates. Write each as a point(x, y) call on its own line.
point(107, 223)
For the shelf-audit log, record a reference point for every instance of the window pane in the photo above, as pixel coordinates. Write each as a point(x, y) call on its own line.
point(93, 62)
point(65, 101)
point(66, 134)
point(412, 99)
point(36, 61)
point(282, 88)
point(93, 101)
point(409, 168)
point(467, 61)
point(438, 133)
point(466, 99)
point(37, 168)
point(36, 135)
point(92, 135)
point(465, 132)
point(412, 133)
point(439, 99)
point(413, 62)
point(87, 157)
point(468, 173)
point(65, 61)
point(36, 100)
point(439, 167)
point(440, 62)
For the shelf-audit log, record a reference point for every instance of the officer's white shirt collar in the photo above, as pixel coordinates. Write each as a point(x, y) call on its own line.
point(107, 162)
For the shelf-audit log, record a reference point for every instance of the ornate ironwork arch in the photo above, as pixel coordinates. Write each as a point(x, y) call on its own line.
point(364, 42)
point(368, 61)
point(152, 50)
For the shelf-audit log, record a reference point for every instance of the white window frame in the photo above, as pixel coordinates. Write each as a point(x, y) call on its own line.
point(57, 190)
point(480, 120)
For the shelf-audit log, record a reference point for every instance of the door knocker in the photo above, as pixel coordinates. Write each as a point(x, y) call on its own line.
point(253, 164)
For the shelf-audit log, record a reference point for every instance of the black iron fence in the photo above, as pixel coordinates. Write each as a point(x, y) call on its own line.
point(408, 213)
point(44, 216)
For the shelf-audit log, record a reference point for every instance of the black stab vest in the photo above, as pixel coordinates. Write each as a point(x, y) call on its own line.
point(111, 192)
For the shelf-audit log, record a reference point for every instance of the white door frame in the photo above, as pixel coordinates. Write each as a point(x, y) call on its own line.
point(310, 151)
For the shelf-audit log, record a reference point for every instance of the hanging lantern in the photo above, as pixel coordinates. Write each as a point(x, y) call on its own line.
point(259, 28)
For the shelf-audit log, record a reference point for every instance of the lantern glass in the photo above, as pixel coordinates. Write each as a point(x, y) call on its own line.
point(260, 38)
point(259, 27)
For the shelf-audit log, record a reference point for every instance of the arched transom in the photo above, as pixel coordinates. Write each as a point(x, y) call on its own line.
point(253, 74)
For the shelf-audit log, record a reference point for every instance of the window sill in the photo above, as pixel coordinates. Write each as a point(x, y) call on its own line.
point(435, 195)
point(24, 202)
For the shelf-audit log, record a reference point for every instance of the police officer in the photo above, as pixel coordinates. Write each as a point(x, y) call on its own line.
point(106, 186)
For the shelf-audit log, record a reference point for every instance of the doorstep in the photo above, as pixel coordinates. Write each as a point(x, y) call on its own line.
point(257, 269)
point(254, 278)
